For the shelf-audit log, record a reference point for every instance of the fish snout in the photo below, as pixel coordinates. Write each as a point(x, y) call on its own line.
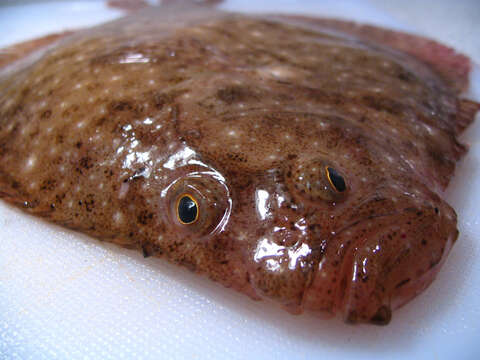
point(381, 263)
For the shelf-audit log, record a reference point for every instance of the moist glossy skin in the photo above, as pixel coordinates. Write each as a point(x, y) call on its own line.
point(108, 130)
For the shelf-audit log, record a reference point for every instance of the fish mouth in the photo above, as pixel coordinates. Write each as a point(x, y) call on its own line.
point(380, 262)
point(328, 270)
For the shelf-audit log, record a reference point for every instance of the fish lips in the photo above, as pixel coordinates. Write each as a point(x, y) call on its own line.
point(381, 262)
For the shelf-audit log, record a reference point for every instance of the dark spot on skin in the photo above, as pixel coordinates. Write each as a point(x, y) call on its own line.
point(78, 145)
point(71, 110)
point(89, 202)
point(236, 157)
point(233, 94)
point(406, 76)
point(30, 204)
point(122, 105)
point(383, 104)
point(34, 134)
point(176, 79)
point(108, 173)
point(86, 162)
point(351, 317)
point(162, 99)
point(321, 96)
point(59, 198)
point(284, 97)
point(46, 114)
point(424, 242)
point(145, 251)
point(145, 217)
point(365, 161)
point(434, 262)
point(337, 99)
point(189, 265)
point(48, 184)
point(439, 157)
point(101, 121)
point(25, 91)
point(15, 111)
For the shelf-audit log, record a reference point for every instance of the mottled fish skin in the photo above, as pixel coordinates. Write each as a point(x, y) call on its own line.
point(106, 131)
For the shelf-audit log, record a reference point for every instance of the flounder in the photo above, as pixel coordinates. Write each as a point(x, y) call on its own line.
point(290, 158)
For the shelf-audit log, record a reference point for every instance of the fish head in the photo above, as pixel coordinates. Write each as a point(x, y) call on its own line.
point(327, 223)
point(387, 244)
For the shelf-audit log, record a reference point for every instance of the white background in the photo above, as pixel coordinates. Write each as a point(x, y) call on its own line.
point(64, 295)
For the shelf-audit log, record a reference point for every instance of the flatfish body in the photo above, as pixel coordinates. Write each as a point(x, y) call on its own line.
point(289, 158)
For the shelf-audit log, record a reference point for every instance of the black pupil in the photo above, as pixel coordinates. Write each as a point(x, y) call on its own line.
point(187, 210)
point(337, 180)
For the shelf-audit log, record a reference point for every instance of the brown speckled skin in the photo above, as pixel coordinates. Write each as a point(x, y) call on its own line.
point(104, 132)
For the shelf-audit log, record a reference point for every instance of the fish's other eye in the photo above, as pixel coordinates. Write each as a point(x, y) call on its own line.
point(335, 179)
point(187, 209)
point(318, 180)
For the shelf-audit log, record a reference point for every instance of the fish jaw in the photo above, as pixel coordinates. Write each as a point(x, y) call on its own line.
point(380, 263)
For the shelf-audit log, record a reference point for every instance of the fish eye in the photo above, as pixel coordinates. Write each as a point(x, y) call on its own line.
point(196, 204)
point(187, 209)
point(335, 179)
point(317, 180)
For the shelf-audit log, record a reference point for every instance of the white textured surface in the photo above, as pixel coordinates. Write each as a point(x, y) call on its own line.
point(20, 21)
point(455, 23)
point(64, 295)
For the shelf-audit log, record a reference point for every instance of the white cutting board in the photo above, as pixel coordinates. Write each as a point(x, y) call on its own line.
point(64, 295)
